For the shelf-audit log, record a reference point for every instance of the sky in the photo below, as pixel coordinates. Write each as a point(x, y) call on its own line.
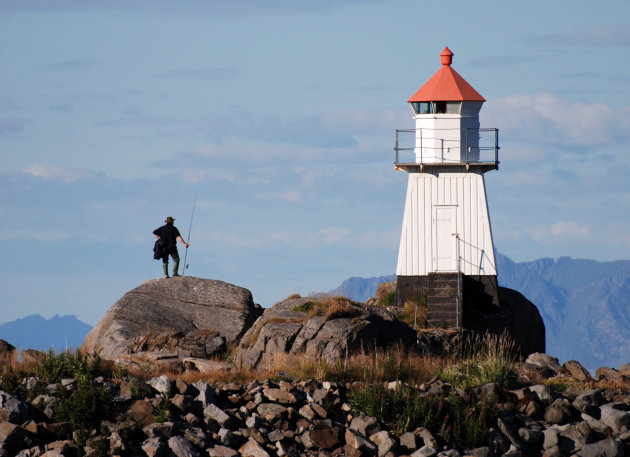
point(278, 117)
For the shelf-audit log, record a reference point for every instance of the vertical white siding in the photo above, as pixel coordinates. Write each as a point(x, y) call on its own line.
point(465, 191)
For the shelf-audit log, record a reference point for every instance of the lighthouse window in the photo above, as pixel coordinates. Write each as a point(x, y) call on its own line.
point(437, 107)
point(421, 107)
point(453, 107)
point(448, 107)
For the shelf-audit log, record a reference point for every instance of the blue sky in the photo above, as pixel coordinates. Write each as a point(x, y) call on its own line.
point(281, 115)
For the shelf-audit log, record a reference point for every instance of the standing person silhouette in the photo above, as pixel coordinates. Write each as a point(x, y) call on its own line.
point(169, 233)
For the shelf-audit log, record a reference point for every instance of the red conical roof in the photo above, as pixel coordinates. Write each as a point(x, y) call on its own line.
point(446, 85)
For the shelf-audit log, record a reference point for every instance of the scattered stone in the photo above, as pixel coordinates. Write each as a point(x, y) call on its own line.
point(154, 447)
point(181, 447)
point(577, 371)
point(252, 449)
point(365, 425)
point(360, 443)
point(549, 364)
point(604, 448)
point(610, 375)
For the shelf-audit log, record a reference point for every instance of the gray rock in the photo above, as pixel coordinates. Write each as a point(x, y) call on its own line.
point(271, 411)
point(550, 364)
point(280, 396)
point(605, 448)
point(216, 414)
point(559, 412)
point(589, 402)
point(596, 425)
point(365, 425)
point(384, 442)
point(408, 441)
point(154, 447)
point(614, 418)
point(530, 438)
point(425, 451)
point(510, 434)
point(12, 437)
point(12, 409)
point(227, 437)
point(182, 448)
point(159, 430)
point(252, 449)
point(577, 371)
point(275, 435)
point(206, 393)
point(550, 438)
point(221, 451)
point(427, 437)
point(323, 436)
point(542, 392)
point(611, 375)
point(169, 315)
point(162, 384)
point(359, 442)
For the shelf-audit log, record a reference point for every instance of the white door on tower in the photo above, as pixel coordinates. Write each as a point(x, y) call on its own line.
point(444, 240)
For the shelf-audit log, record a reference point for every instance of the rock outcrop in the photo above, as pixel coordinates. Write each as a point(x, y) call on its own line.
point(326, 328)
point(168, 320)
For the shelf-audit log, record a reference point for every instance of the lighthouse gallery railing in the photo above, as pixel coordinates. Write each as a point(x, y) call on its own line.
point(482, 144)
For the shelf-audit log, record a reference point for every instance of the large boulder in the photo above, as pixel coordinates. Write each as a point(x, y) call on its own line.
point(173, 319)
point(515, 315)
point(327, 328)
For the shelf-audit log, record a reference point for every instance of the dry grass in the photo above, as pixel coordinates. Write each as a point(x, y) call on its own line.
point(379, 366)
point(328, 306)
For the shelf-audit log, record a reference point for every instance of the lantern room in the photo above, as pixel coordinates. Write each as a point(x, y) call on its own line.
point(446, 112)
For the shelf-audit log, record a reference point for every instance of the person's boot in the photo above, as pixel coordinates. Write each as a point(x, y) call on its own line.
point(165, 266)
point(175, 267)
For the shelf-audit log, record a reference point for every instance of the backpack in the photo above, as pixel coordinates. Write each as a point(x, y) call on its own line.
point(160, 249)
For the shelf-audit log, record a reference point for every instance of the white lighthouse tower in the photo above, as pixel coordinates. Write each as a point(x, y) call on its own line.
point(446, 252)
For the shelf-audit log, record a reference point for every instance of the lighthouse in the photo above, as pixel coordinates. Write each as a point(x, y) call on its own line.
point(446, 252)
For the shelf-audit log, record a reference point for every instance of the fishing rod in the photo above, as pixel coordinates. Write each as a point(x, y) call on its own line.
point(189, 229)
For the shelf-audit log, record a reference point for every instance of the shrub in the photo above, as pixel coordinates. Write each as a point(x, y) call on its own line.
point(161, 411)
point(456, 422)
point(52, 366)
point(85, 407)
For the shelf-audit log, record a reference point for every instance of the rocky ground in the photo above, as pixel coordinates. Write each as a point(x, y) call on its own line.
point(164, 417)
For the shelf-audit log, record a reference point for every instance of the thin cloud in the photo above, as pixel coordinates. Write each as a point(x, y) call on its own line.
point(561, 231)
point(203, 74)
point(55, 173)
point(615, 35)
point(65, 65)
point(547, 119)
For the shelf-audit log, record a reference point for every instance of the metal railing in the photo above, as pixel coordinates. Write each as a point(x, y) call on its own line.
point(485, 147)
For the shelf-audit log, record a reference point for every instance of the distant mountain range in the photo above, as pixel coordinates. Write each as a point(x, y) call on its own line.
point(585, 304)
point(35, 332)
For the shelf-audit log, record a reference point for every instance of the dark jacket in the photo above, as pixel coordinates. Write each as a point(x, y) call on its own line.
point(168, 232)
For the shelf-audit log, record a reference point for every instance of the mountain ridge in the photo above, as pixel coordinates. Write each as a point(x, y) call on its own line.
point(37, 332)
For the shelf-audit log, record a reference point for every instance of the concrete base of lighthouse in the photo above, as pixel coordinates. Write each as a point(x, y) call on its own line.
point(478, 295)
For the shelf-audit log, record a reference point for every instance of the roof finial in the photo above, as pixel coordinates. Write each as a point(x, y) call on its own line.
point(446, 56)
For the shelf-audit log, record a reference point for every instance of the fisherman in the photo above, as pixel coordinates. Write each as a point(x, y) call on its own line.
point(169, 235)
